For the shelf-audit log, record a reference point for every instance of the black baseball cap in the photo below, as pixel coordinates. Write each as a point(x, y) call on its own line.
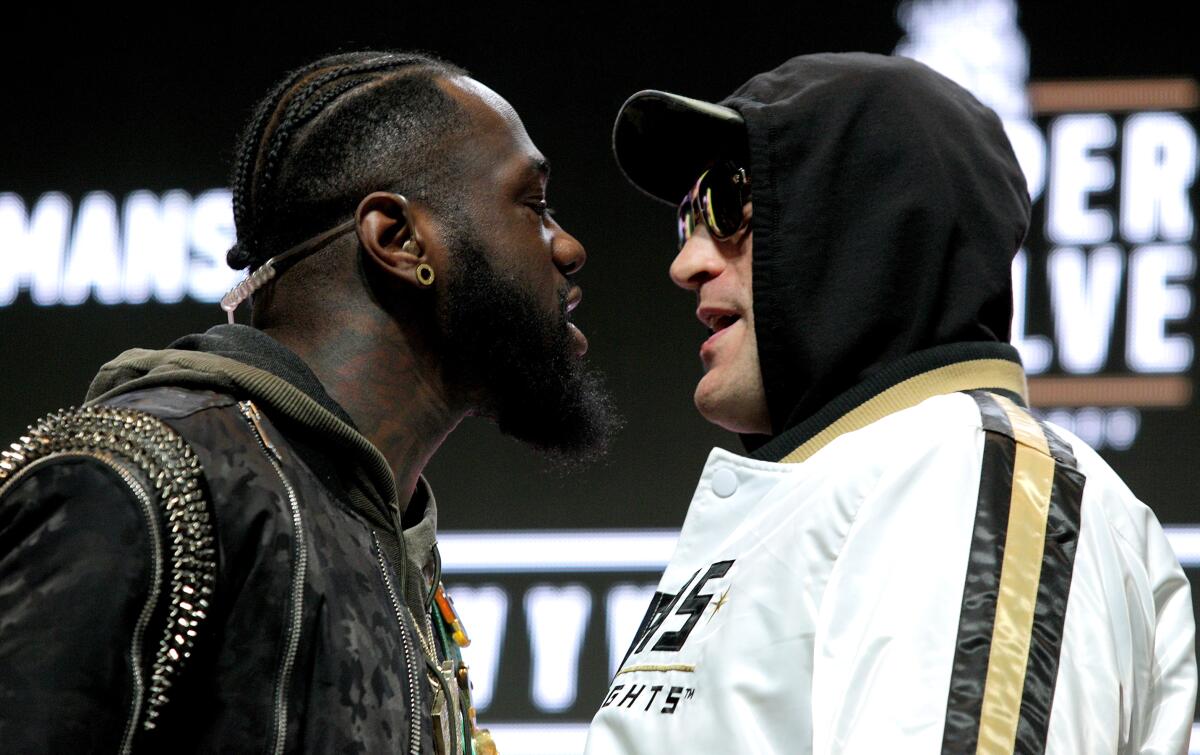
point(664, 141)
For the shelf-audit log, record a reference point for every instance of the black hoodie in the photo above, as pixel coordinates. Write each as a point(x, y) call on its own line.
point(888, 205)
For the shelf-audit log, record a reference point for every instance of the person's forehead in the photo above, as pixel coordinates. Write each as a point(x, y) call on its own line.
point(497, 129)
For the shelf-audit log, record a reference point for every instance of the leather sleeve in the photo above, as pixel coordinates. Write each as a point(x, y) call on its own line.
point(77, 575)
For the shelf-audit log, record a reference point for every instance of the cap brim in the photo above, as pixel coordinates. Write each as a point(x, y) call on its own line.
point(663, 141)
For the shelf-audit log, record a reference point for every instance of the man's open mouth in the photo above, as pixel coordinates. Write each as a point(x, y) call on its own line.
point(717, 320)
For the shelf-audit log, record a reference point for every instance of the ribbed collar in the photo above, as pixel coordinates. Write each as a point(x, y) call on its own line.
point(901, 385)
point(253, 347)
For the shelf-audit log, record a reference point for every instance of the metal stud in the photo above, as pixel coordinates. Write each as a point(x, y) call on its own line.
point(144, 444)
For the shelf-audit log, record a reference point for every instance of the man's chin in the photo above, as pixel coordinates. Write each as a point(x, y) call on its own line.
point(730, 409)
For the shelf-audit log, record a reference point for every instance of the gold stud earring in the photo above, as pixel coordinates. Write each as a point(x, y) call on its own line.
point(425, 274)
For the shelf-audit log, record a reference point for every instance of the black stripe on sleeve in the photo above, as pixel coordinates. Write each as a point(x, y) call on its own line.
point(1063, 455)
point(978, 613)
point(993, 416)
point(1058, 560)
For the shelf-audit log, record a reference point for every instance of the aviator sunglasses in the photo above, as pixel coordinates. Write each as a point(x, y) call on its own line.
point(718, 198)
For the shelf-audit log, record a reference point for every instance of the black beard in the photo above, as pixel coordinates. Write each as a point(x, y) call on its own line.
point(501, 343)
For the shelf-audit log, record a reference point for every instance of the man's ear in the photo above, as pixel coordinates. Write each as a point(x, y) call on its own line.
point(387, 230)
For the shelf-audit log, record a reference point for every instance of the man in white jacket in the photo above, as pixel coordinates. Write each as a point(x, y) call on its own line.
point(906, 560)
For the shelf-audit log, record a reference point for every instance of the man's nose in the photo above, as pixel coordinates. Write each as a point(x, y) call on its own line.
point(697, 262)
point(569, 255)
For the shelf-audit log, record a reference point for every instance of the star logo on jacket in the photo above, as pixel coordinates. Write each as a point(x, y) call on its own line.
point(719, 603)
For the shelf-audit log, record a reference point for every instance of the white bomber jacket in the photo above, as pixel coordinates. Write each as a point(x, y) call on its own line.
point(934, 571)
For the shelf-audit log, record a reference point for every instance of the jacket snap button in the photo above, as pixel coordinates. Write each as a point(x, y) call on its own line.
point(724, 482)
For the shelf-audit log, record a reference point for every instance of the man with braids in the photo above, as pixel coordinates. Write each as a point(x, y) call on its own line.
point(230, 547)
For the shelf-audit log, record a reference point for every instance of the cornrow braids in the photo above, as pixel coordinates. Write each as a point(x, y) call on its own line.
point(247, 163)
point(298, 106)
point(253, 134)
point(333, 131)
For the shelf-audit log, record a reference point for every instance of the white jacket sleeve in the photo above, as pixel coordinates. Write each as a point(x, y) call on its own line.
point(889, 619)
point(1172, 677)
point(952, 622)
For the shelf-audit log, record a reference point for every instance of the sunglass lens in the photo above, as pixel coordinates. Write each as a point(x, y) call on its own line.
point(687, 223)
point(723, 204)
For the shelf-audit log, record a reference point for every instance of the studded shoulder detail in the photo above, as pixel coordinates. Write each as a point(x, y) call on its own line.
point(161, 469)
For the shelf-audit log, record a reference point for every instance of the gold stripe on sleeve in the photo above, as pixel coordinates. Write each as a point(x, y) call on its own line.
point(1033, 477)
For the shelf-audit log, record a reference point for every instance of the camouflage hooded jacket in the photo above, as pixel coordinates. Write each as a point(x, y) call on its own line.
point(209, 557)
